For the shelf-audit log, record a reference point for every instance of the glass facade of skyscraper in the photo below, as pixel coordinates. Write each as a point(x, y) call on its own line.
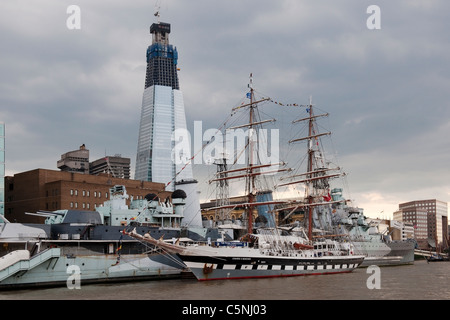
point(2, 168)
point(162, 115)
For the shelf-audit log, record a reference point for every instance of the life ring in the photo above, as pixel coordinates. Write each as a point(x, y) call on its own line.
point(207, 269)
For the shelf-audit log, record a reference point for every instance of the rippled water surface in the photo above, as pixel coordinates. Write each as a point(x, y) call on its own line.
point(419, 281)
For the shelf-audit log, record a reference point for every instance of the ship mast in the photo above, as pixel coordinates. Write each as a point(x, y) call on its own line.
point(251, 178)
point(310, 169)
point(253, 168)
point(315, 177)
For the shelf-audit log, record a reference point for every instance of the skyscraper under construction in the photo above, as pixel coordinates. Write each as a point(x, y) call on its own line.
point(162, 113)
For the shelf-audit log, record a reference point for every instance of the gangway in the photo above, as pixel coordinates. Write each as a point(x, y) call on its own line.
point(425, 253)
point(17, 261)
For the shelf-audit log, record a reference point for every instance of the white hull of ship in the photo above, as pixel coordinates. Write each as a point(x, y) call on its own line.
point(241, 263)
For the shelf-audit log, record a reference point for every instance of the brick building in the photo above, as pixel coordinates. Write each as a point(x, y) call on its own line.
point(51, 190)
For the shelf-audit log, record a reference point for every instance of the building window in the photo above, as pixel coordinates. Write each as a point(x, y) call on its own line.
point(71, 192)
point(84, 193)
point(71, 204)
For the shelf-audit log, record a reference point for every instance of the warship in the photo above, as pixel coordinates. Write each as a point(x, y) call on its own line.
point(377, 245)
point(89, 247)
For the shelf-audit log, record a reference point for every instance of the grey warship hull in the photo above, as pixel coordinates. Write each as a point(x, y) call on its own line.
point(77, 247)
point(61, 255)
point(55, 268)
point(104, 258)
point(386, 254)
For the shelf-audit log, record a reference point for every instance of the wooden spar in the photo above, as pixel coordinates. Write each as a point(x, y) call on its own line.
point(309, 179)
point(306, 173)
point(245, 205)
point(253, 167)
point(310, 137)
point(308, 118)
point(251, 102)
point(307, 205)
point(290, 213)
point(249, 175)
point(251, 124)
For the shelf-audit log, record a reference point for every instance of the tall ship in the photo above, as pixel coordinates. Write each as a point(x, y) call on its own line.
point(328, 211)
point(89, 247)
point(264, 251)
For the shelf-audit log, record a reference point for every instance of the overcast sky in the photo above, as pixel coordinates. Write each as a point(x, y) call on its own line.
point(387, 90)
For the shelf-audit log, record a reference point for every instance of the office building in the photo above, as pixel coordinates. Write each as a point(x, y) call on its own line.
point(116, 166)
point(418, 216)
point(162, 114)
point(75, 161)
point(436, 219)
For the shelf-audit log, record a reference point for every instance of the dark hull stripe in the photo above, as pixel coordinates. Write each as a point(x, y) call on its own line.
point(210, 268)
point(269, 261)
point(275, 276)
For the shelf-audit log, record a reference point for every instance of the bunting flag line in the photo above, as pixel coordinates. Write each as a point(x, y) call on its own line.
point(284, 104)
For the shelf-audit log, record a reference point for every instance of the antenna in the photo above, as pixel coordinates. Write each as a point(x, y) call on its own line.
point(158, 8)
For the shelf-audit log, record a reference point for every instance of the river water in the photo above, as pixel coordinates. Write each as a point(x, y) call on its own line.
point(421, 281)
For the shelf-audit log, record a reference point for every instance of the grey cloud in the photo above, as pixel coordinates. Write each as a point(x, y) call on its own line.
point(386, 90)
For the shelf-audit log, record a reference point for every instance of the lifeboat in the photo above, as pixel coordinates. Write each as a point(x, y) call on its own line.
point(301, 246)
